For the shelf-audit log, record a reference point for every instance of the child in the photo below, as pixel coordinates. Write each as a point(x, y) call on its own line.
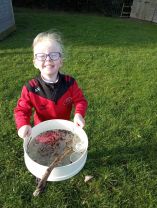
point(51, 94)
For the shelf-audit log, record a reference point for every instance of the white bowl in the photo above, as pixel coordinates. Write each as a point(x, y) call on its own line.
point(62, 172)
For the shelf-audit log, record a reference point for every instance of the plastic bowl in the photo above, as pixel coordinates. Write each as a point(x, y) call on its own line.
point(62, 172)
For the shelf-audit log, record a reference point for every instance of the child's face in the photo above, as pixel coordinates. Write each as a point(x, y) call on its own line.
point(47, 67)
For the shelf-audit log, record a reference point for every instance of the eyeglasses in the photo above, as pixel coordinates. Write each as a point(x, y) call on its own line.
point(43, 56)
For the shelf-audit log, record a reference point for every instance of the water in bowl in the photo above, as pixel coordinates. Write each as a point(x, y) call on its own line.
point(45, 147)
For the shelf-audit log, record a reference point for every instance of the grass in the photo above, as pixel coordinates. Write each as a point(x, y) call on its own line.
point(114, 61)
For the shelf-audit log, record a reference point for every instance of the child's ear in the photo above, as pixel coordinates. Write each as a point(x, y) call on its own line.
point(61, 62)
point(35, 65)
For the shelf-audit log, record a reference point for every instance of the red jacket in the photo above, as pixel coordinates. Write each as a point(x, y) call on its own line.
point(49, 100)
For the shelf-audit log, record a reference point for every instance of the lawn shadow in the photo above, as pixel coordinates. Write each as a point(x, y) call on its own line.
point(122, 155)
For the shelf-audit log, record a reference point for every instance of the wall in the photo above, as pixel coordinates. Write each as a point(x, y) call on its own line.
point(7, 22)
point(144, 10)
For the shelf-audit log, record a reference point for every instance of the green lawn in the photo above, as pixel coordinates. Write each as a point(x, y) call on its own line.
point(115, 63)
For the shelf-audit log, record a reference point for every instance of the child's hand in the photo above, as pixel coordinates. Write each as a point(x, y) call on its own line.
point(79, 120)
point(25, 131)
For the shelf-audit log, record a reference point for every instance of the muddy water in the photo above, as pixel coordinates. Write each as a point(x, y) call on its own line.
point(45, 147)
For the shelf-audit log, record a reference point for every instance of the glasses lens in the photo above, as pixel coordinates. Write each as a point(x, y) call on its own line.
point(40, 56)
point(54, 56)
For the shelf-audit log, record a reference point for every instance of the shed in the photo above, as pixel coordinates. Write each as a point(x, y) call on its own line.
point(144, 10)
point(7, 22)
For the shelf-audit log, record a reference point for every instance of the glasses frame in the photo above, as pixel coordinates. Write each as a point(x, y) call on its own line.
point(46, 55)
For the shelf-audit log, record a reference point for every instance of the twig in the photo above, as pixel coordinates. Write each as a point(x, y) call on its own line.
point(41, 185)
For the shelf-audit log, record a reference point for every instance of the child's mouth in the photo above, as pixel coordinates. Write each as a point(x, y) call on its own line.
point(49, 66)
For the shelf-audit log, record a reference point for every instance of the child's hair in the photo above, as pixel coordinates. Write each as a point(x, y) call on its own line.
point(50, 36)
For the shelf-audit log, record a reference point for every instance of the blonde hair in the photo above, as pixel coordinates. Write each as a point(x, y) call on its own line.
point(49, 36)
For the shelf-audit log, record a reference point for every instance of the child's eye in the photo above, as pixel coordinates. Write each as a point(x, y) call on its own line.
point(40, 57)
point(54, 55)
